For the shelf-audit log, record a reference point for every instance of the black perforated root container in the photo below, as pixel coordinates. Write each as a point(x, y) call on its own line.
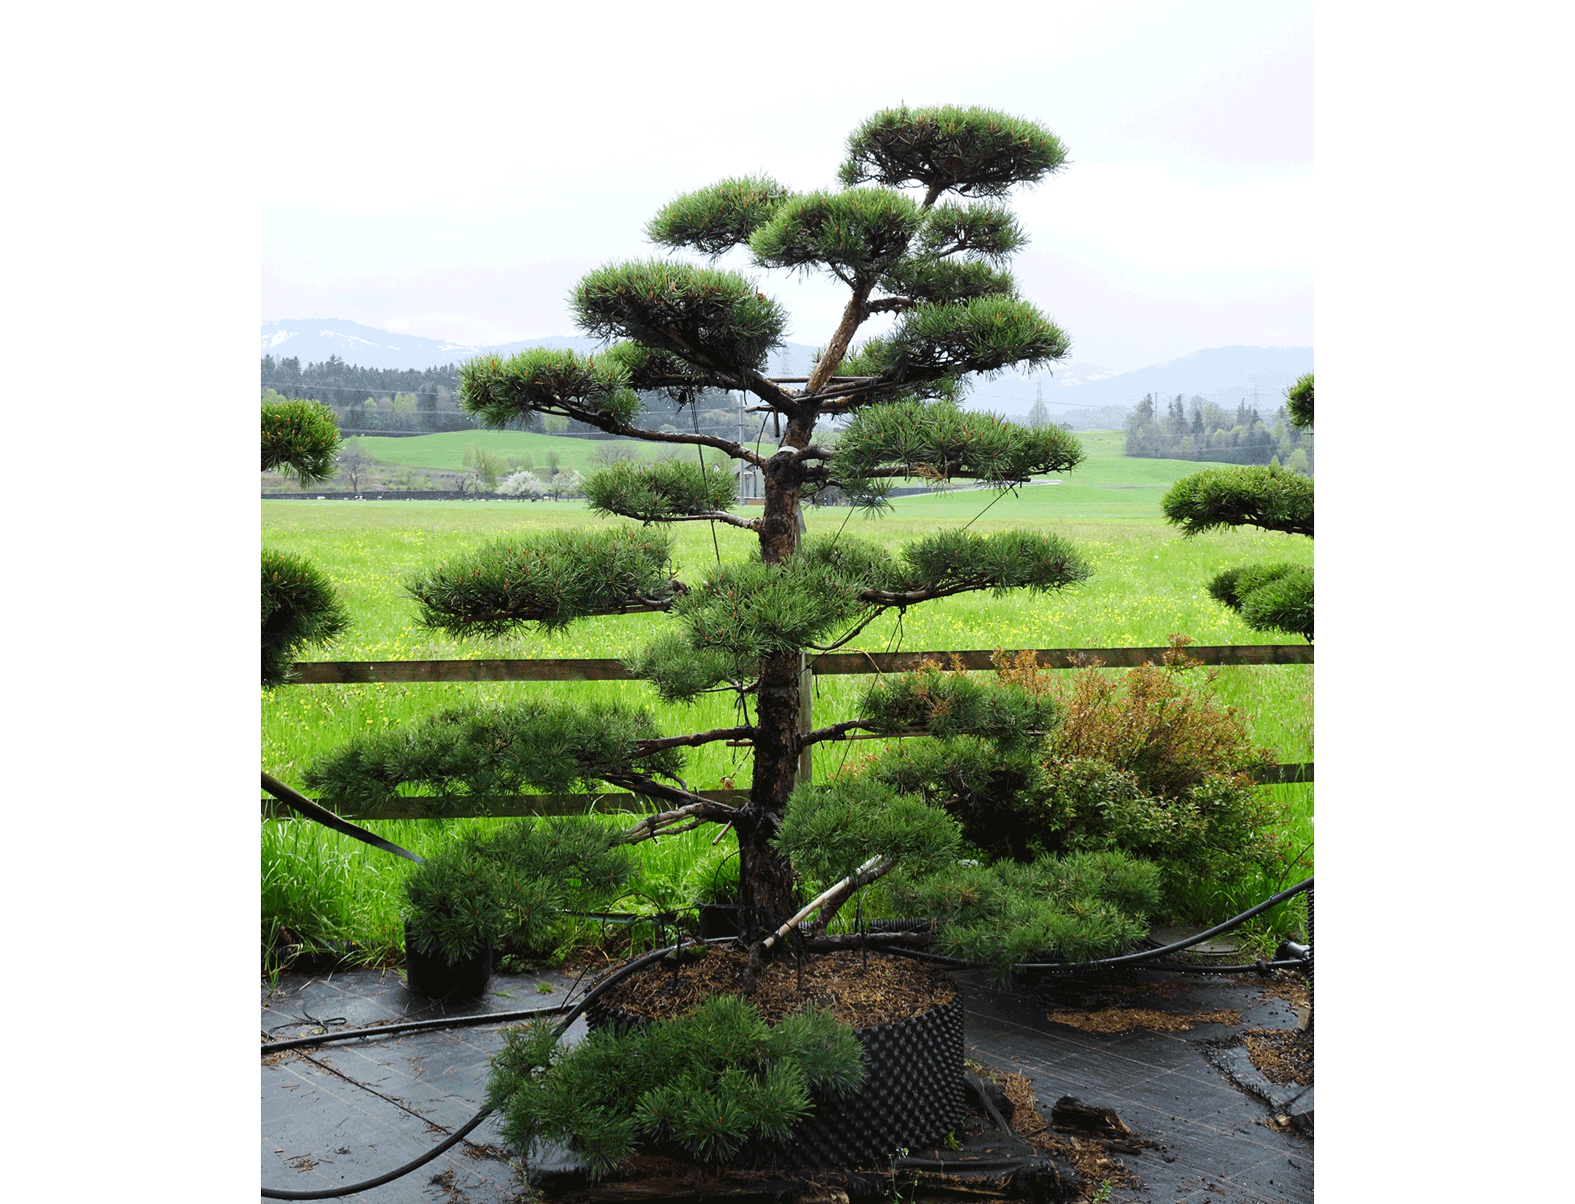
point(911, 1098)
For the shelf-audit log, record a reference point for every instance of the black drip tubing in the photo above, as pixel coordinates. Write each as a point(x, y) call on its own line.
point(410, 1026)
point(329, 1193)
point(1177, 947)
point(645, 959)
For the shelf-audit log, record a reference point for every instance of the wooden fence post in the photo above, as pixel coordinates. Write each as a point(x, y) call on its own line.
point(806, 693)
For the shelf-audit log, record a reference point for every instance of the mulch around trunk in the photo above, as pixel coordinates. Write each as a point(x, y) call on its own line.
point(859, 991)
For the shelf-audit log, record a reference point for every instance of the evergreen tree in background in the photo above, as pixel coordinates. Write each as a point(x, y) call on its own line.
point(1274, 597)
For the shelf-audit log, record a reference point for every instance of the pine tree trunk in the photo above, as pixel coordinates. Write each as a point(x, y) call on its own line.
point(765, 877)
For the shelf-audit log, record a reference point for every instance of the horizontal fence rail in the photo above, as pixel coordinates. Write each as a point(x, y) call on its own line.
point(828, 664)
point(320, 673)
point(507, 806)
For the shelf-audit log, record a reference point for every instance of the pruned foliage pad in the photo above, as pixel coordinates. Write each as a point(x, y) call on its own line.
point(832, 828)
point(941, 442)
point(705, 1083)
point(491, 750)
point(301, 437)
point(948, 704)
point(299, 607)
point(857, 234)
point(979, 152)
point(1269, 597)
point(661, 492)
point(714, 220)
point(983, 334)
point(550, 579)
point(707, 318)
point(504, 392)
point(1249, 495)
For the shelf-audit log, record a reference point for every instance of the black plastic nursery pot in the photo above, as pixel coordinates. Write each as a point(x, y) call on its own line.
point(912, 1096)
point(433, 976)
point(718, 920)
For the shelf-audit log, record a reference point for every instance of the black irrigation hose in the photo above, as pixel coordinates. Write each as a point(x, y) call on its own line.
point(459, 1135)
point(409, 1026)
point(645, 959)
point(1178, 946)
point(969, 1164)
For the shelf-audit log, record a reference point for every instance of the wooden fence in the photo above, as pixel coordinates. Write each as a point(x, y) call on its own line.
point(826, 664)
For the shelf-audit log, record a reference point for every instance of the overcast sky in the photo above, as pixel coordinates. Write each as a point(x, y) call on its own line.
point(486, 165)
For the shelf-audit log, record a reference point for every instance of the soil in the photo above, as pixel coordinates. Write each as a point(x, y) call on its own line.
point(859, 991)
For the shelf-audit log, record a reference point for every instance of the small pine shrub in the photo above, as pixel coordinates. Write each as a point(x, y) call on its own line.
point(511, 885)
point(704, 1083)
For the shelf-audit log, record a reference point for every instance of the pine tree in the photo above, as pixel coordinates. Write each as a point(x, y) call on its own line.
point(917, 230)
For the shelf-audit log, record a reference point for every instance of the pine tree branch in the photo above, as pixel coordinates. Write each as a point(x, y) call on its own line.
point(612, 426)
point(928, 593)
point(891, 305)
point(837, 731)
point(876, 867)
point(646, 748)
point(720, 516)
point(702, 810)
point(874, 614)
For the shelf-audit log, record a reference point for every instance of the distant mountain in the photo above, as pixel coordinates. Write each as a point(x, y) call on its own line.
point(1076, 393)
point(1226, 375)
point(313, 340)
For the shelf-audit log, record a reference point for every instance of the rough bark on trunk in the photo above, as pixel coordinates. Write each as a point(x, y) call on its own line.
point(765, 877)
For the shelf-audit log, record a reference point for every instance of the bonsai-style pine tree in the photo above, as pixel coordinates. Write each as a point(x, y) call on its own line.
point(1269, 597)
point(917, 230)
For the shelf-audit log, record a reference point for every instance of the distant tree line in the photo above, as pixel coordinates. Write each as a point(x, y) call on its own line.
point(393, 401)
point(1204, 430)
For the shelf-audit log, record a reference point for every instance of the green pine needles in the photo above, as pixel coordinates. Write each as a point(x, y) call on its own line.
point(1075, 908)
point(551, 580)
point(699, 1086)
point(299, 607)
point(977, 152)
point(504, 749)
point(300, 437)
point(662, 492)
point(513, 883)
point(1249, 495)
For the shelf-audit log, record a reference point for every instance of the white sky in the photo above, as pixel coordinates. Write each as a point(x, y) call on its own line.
point(461, 192)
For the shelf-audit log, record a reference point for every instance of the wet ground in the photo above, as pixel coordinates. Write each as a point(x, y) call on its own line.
point(1161, 1050)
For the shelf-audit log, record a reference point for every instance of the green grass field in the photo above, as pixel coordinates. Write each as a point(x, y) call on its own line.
point(446, 452)
point(1148, 583)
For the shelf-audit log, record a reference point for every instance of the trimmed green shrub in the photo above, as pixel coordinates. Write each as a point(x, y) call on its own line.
point(707, 1082)
point(299, 607)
